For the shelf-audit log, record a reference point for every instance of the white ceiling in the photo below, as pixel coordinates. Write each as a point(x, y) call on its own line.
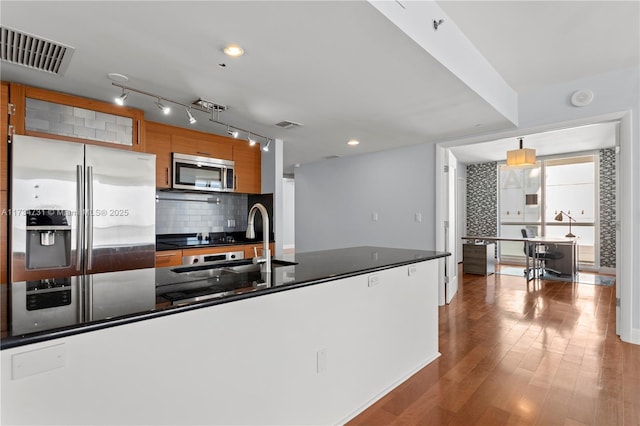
point(338, 67)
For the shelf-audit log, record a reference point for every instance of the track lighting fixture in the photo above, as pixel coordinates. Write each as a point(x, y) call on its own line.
point(120, 99)
point(266, 147)
point(192, 119)
point(162, 107)
point(199, 105)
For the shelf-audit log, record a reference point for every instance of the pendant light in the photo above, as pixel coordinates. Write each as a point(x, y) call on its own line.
point(521, 156)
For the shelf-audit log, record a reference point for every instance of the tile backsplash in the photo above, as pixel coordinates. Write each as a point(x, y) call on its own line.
point(181, 213)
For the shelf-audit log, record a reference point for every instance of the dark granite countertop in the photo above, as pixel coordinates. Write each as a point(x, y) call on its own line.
point(48, 309)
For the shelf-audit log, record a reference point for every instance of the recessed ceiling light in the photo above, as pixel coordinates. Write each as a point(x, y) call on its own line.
point(233, 50)
point(353, 142)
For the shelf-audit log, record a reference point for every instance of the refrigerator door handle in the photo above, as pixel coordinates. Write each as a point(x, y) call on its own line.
point(89, 220)
point(79, 216)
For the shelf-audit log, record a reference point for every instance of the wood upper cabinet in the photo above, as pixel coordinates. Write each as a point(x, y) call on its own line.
point(4, 134)
point(4, 185)
point(89, 121)
point(162, 140)
point(203, 145)
point(158, 142)
point(248, 167)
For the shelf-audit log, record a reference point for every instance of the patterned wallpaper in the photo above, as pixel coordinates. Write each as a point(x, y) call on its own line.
point(482, 199)
point(482, 208)
point(608, 208)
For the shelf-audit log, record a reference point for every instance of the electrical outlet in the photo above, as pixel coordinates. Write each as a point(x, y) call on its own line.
point(412, 270)
point(374, 280)
point(374, 216)
point(231, 223)
point(418, 217)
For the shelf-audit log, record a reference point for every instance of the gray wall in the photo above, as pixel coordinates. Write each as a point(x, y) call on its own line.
point(335, 200)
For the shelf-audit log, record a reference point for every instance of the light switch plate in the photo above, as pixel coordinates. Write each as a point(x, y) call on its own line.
point(412, 270)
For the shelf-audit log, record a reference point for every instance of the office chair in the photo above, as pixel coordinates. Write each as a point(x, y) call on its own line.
point(539, 256)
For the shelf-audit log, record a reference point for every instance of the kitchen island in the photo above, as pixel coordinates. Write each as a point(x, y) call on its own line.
point(315, 341)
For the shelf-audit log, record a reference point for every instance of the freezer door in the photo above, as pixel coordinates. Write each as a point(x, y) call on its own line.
point(120, 202)
point(46, 178)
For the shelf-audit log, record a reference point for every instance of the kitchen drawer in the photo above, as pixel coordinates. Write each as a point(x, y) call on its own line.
point(249, 252)
point(168, 258)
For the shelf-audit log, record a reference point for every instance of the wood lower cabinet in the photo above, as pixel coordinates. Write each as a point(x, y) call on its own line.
point(249, 252)
point(168, 258)
point(478, 259)
point(4, 241)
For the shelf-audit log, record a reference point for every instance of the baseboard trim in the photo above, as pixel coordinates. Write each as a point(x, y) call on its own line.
point(388, 389)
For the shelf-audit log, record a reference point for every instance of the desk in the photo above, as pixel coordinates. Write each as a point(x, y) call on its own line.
point(567, 265)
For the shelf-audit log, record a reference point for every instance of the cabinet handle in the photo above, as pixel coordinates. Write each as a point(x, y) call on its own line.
point(167, 174)
point(165, 255)
point(138, 129)
point(203, 153)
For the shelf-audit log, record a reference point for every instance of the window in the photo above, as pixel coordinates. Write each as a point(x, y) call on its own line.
point(532, 197)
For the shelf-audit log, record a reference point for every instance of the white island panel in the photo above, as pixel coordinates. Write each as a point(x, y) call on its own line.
point(313, 355)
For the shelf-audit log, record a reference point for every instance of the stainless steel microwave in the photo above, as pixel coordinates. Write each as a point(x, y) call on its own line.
point(202, 173)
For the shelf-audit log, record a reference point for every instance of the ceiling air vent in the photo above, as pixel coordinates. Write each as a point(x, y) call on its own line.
point(288, 124)
point(34, 52)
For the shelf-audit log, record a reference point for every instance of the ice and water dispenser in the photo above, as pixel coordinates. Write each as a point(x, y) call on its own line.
point(48, 239)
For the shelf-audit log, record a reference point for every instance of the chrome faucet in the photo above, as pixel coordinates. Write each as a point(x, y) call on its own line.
point(265, 260)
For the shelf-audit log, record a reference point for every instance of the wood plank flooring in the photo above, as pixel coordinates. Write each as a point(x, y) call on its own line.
point(543, 353)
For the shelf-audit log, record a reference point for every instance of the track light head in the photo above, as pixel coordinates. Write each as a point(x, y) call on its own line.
point(252, 141)
point(120, 99)
point(233, 132)
point(163, 108)
point(192, 119)
point(266, 147)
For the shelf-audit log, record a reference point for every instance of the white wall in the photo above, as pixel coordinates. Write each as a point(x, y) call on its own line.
point(335, 200)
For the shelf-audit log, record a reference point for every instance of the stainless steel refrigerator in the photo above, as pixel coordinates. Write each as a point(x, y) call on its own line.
point(79, 209)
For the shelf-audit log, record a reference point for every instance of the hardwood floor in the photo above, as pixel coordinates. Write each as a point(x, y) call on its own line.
point(516, 354)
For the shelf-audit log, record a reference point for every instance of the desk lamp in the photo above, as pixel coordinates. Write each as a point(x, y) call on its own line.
point(559, 219)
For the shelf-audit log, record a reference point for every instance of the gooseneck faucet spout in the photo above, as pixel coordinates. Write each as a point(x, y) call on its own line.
point(265, 260)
